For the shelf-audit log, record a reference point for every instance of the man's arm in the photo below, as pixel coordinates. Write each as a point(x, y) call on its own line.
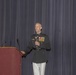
point(29, 48)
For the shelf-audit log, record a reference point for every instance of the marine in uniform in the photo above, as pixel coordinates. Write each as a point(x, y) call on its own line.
point(40, 44)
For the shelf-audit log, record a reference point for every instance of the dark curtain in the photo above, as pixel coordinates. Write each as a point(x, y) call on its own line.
point(58, 18)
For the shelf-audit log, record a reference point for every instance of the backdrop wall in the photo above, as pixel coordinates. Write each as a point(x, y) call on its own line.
point(58, 18)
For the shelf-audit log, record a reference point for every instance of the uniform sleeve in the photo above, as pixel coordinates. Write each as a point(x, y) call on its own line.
point(31, 45)
point(46, 44)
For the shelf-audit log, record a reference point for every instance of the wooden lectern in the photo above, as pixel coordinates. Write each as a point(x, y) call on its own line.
point(10, 61)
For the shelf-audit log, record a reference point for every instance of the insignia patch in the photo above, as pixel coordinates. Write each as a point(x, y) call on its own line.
point(41, 39)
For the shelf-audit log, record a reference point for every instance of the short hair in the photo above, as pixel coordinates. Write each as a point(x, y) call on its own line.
point(39, 24)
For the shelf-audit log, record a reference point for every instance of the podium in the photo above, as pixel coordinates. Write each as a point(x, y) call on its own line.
point(10, 61)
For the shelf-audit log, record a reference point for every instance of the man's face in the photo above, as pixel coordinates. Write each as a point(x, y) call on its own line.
point(38, 28)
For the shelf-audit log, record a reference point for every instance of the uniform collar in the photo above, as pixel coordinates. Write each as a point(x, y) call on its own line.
point(39, 34)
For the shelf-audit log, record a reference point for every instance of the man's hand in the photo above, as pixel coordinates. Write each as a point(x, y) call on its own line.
point(23, 52)
point(37, 43)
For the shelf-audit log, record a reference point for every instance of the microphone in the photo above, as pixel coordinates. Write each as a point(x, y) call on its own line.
point(18, 43)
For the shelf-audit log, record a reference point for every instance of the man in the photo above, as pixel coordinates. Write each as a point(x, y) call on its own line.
point(40, 44)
